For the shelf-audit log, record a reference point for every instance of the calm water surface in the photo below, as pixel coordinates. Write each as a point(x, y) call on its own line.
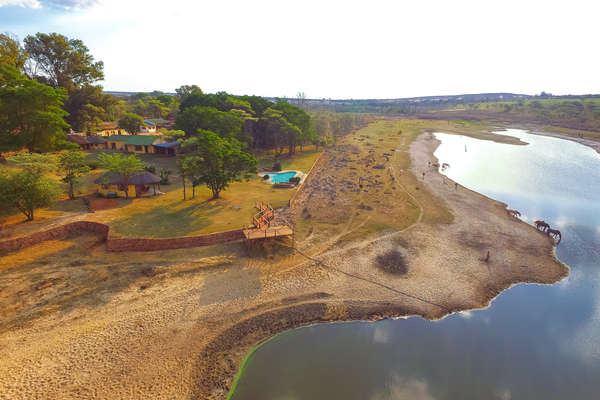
point(534, 342)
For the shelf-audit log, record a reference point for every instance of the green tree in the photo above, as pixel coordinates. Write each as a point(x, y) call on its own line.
point(30, 113)
point(156, 108)
point(125, 166)
point(218, 161)
point(187, 167)
point(186, 90)
point(299, 118)
point(72, 165)
point(11, 52)
point(132, 123)
point(225, 124)
point(26, 191)
point(37, 163)
point(60, 61)
point(88, 107)
point(279, 130)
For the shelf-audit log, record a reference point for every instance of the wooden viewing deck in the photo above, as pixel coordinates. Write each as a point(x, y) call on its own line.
point(270, 232)
point(262, 228)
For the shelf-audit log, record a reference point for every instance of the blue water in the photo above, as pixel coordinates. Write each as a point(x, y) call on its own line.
point(282, 176)
point(533, 342)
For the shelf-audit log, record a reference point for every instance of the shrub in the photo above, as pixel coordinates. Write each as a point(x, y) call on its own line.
point(265, 177)
point(150, 168)
point(277, 166)
point(93, 164)
point(392, 262)
point(295, 179)
point(164, 176)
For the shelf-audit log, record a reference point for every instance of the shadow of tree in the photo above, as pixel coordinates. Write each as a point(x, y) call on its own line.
point(84, 275)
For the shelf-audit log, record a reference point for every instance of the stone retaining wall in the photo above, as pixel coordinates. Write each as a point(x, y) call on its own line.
point(143, 244)
point(118, 244)
point(315, 167)
point(58, 233)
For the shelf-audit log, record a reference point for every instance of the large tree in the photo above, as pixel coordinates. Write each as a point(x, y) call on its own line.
point(30, 113)
point(279, 131)
point(72, 166)
point(124, 166)
point(225, 124)
point(60, 61)
point(299, 118)
point(11, 52)
point(26, 191)
point(132, 123)
point(218, 161)
point(88, 106)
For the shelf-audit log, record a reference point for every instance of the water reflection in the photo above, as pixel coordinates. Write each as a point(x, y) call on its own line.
point(534, 342)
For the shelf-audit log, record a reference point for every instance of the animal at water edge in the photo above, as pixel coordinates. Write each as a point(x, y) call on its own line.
point(514, 213)
point(541, 224)
point(555, 233)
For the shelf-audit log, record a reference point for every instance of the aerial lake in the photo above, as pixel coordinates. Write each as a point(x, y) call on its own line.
point(533, 342)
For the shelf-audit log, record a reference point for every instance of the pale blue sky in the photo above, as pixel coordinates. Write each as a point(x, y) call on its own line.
point(337, 49)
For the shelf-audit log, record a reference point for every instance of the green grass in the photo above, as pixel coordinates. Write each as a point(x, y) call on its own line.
point(169, 215)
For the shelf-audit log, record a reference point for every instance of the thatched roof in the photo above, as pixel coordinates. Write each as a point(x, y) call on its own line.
point(141, 178)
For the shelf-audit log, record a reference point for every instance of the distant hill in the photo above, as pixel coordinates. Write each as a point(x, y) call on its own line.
point(125, 94)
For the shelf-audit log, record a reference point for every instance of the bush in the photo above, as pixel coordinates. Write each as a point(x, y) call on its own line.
point(277, 166)
point(265, 177)
point(150, 168)
point(164, 176)
point(392, 262)
point(93, 164)
point(295, 179)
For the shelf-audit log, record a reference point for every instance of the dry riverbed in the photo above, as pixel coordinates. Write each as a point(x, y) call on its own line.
point(176, 324)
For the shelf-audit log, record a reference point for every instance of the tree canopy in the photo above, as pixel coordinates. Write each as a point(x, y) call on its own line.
point(216, 162)
point(72, 166)
point(60, 61)
point(125, 166)
point(28, 188)
point(132, 123)
point(31, 113)
point(225, 124)
point(11, 52)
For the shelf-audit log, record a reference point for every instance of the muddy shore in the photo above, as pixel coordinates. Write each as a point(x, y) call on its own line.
point(185, 336)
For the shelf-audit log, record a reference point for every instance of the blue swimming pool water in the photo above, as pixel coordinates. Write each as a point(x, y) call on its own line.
point(282, 176)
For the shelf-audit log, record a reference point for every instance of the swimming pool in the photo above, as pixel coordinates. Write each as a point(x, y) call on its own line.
point(282, 176)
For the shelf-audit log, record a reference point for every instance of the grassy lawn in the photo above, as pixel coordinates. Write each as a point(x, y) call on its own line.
point(169, 215)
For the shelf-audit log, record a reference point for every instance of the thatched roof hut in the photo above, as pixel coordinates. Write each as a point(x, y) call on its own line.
point(141, 178)
point(111, 183)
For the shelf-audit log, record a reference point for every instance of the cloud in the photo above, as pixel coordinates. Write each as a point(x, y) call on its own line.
point(405, 388)
point(65, 4)
point(71, 4)
point(20, 3)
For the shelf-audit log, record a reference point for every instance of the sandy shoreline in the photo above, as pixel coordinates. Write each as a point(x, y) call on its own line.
point(594, 144)
point(186, 336)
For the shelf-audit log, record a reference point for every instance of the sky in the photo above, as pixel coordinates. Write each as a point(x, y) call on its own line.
point(329, 48)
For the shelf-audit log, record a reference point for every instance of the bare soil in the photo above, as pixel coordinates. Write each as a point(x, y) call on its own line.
point(176, 324)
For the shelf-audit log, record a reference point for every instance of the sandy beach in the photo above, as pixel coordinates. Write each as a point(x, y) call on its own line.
point(185, 334)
